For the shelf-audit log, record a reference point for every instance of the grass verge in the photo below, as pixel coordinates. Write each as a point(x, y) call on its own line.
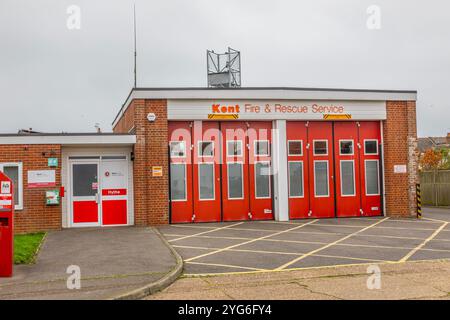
point(26, 247)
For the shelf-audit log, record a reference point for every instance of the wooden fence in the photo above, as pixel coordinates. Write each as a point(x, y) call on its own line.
point(435, 187)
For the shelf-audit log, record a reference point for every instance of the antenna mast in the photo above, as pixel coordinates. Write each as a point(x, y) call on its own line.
point(135, 54)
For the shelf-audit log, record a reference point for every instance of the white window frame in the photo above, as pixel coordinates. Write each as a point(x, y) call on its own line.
point(261, 155)
point(354, 179)
point(328, 179)
point(314, 149)
point(228, 180)
point(19, 166)
point(213, 180)
point(370, 154)
point(301, 149)
point(170, 149)
point(200, 151)
point(241, 148)
point(254, 179)
point(303, 179)
point(353, 147)
point(378, 177)
point(185, 182)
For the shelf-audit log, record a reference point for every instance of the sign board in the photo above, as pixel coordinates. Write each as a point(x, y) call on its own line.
point(185, 109)
point(5, 187)
point(400, 168)
point(41, 178)
point(52, 162)
point(157, 171)
point(52, 197)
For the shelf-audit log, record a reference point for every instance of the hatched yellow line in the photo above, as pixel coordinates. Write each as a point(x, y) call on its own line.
point(328, 245)
point(250, 241)
point(204, 232)
point(225, 265)
point(405, 258)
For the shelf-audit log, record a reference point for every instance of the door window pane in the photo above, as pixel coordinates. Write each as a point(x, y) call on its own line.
point(372, 186)
point(321, 178)
point(371, 147)
point(206, 180)
point(234, 148)
point(347, 178)
point(235, 180)
point(177, 149)
point(295, 148)
point(13, 173)
point(295, 179)
point(262, 180)
point(85, 181)
point(346, 146)
point(261, 148)
point(177, 181)
point(205, 148)
point(320, 147)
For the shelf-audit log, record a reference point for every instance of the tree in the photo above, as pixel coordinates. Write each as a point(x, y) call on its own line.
point(431, 160)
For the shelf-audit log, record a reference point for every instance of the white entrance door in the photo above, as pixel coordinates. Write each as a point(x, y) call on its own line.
point(114, 190)
point(84, 193)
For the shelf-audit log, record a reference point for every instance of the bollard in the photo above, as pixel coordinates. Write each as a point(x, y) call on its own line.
point(419, 201)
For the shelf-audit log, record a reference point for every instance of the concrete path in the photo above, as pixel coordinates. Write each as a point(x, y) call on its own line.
point(410, 280)
point(112, 261)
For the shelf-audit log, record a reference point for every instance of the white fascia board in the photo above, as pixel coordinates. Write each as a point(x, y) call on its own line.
point(119, 140)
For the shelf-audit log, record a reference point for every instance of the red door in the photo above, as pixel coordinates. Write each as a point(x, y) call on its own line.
point(235, 178)
point(259, 139)
point(348, 191)
point(321, 182)
point(84, 193)
point(181, 204)
point(369, 139)
point(206, 173)
point(297, 169)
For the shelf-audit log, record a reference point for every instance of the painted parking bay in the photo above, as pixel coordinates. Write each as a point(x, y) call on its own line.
point(261, 246)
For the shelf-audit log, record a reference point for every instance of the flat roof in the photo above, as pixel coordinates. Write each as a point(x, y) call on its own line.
point(70, 139)
point(266, 93)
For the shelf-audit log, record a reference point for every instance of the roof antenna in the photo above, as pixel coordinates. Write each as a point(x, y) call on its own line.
point(135, 54)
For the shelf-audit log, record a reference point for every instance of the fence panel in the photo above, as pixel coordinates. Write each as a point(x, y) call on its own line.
point(435, 187)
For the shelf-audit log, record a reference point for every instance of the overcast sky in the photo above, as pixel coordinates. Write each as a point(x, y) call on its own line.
point(54, 79)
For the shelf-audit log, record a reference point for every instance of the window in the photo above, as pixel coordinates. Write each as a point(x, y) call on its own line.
point(346, 147)
point(235, 180)
point(262, 148)
point(295, 148)
point(84, 178)
point(206, 181)
point(262, 180)
point(14, 172)
point(295, 179)
point(370, 146)
point(372, 177)
point(347, 178)
point(234, 148)
point(320, 147)
point(205, 148)
point(321, 179)
point(178, 181)
point(177, 149)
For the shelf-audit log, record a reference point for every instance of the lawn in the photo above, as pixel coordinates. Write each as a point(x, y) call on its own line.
point(26, 246)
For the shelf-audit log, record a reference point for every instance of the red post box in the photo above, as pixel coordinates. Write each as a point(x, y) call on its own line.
point(6, 226)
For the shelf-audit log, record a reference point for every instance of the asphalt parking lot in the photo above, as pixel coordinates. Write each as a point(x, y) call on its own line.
point(213, 248)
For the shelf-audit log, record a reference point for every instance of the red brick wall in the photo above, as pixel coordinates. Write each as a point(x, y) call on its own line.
point(400, 143)
point(151, 194)
point(35, 216)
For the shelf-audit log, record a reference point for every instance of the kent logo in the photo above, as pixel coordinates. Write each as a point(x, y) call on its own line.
point(217, 108)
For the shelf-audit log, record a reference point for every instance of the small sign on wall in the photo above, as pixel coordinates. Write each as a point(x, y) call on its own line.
point(400, 168)
point(52, 197)
point(52, 162)
point(41, 178)
point(157, 171)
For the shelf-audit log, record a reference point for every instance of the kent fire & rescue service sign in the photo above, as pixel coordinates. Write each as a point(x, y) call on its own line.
point(275, 110)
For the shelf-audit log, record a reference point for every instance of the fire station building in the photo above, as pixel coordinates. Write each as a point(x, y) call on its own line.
point(188, 155)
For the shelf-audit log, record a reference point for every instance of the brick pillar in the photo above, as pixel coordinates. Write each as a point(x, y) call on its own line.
point(400, 144)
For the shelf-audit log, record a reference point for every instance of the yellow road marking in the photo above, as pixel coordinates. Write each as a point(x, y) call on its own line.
point(250, 241)
point(329, 245)
point(197, 234)
point(225, 265)
point(405, 258)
